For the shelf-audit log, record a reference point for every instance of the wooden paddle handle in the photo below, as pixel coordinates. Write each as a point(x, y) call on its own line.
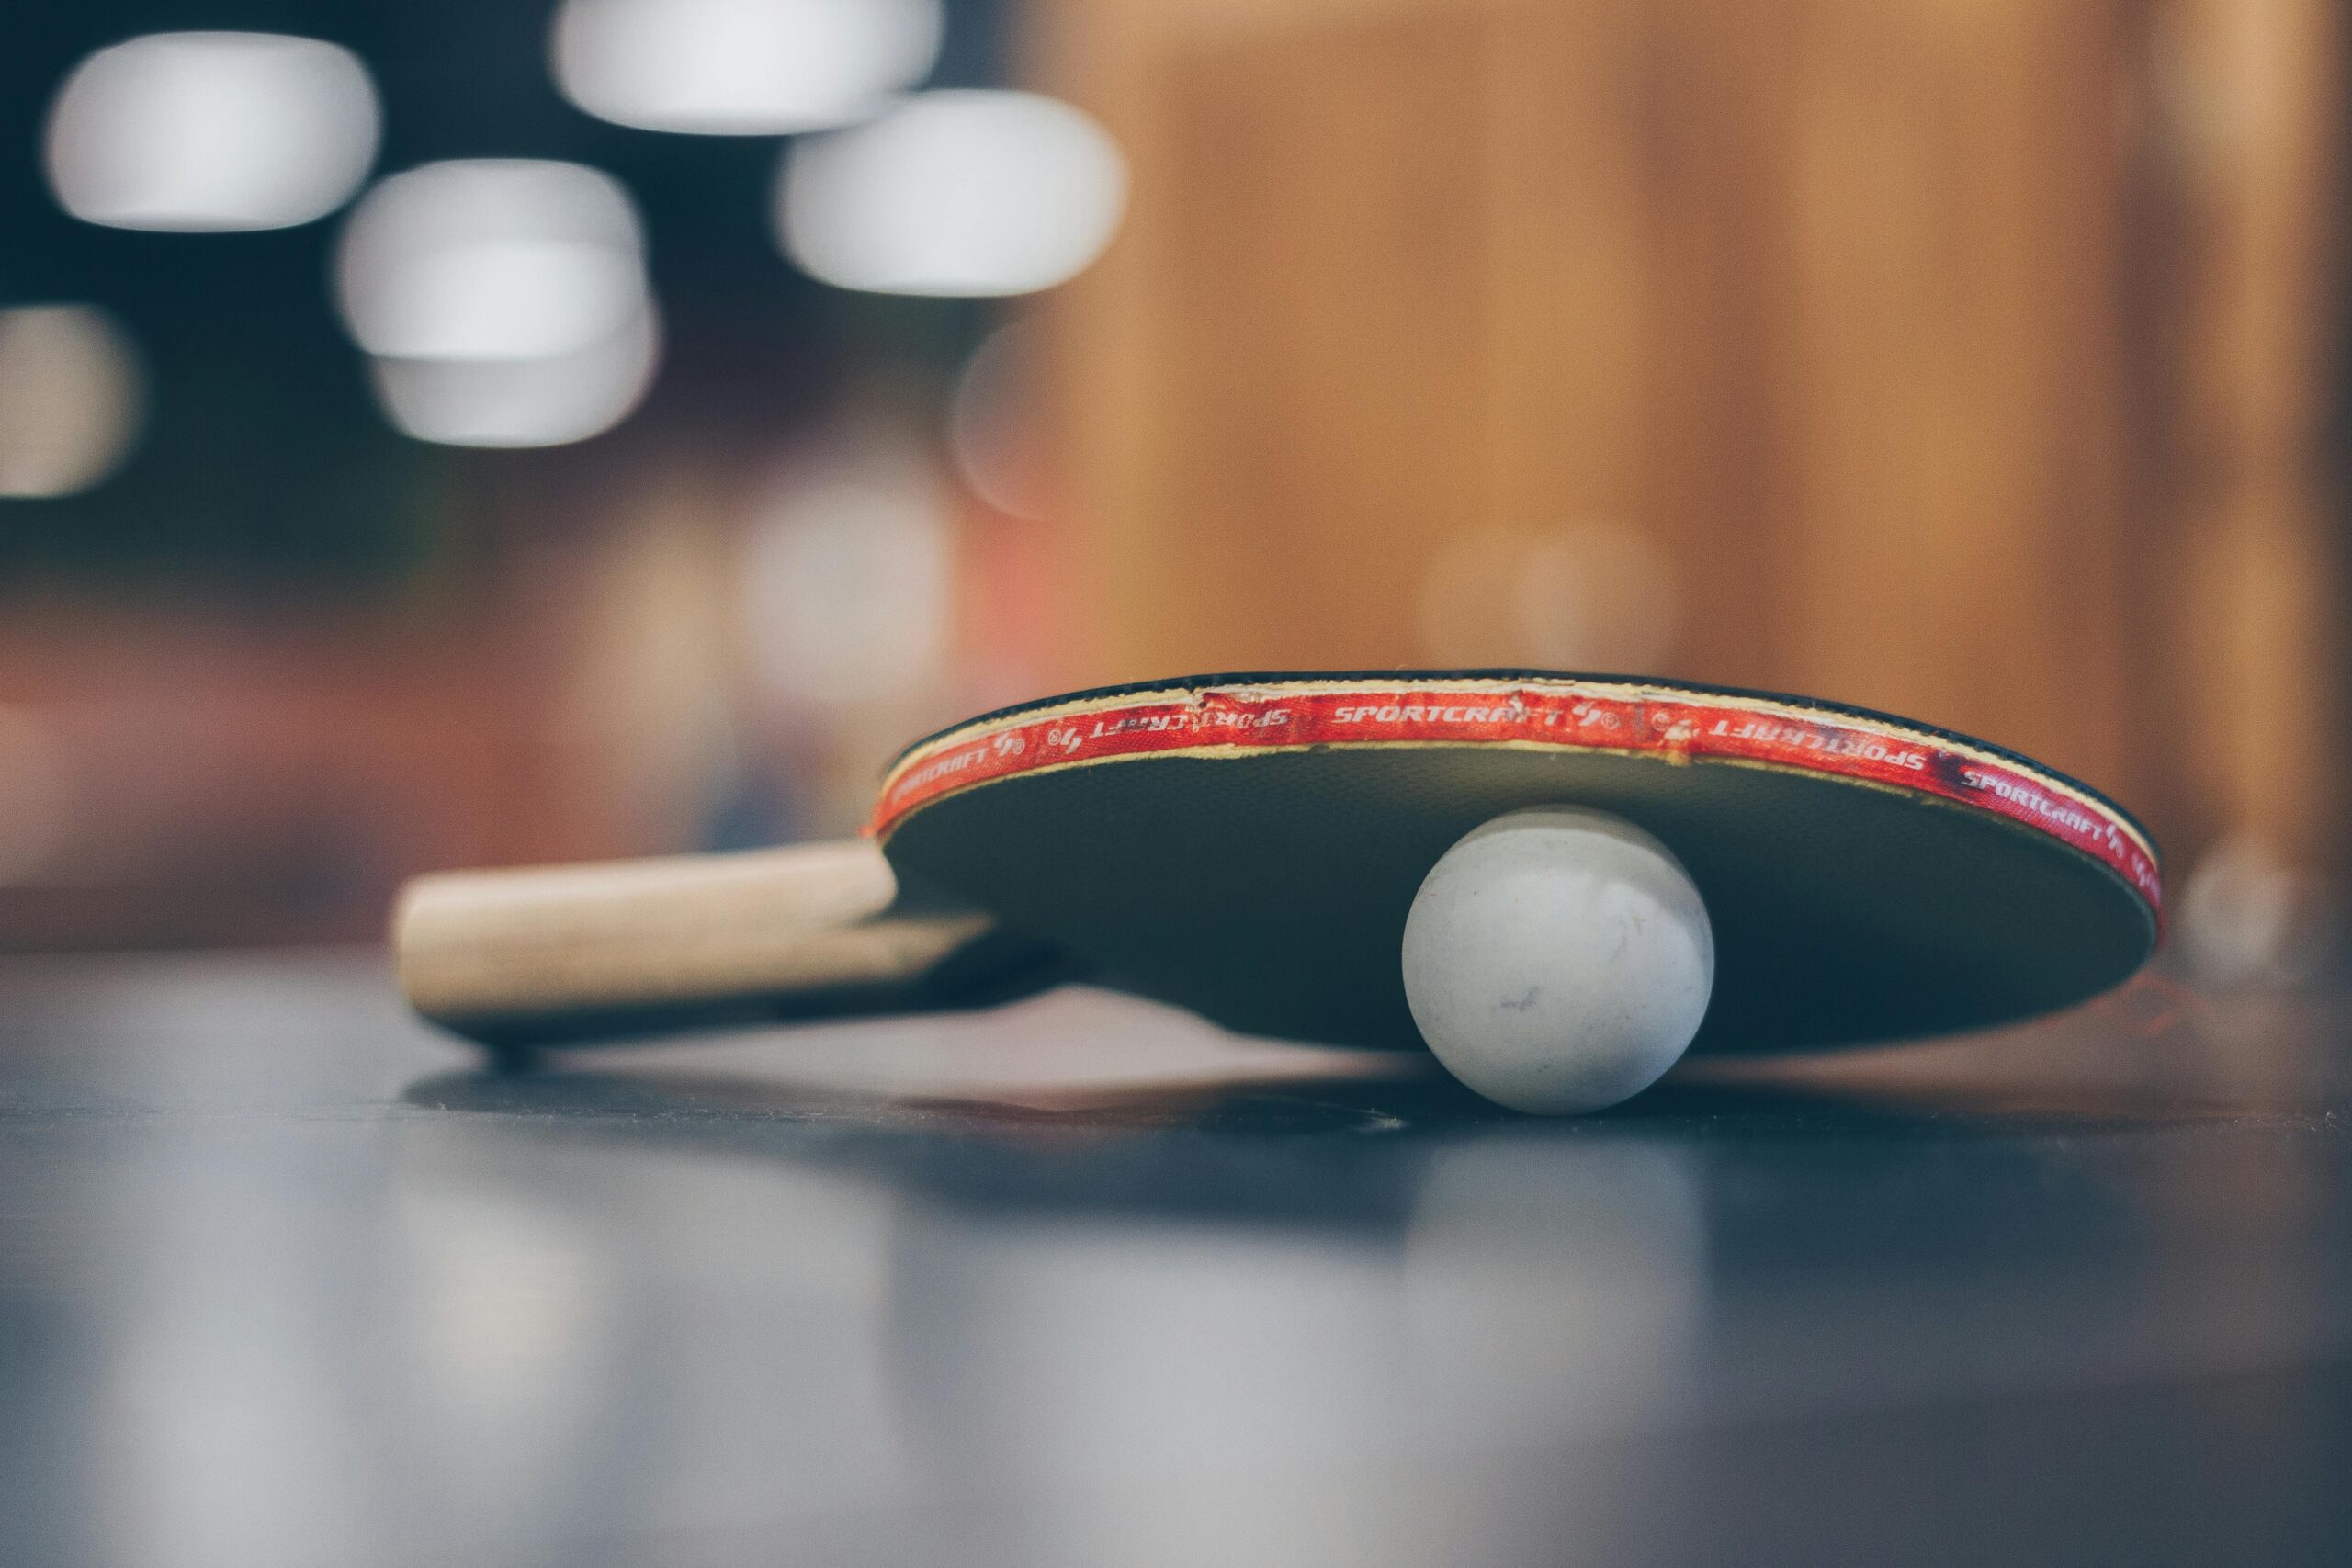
point(550, 950)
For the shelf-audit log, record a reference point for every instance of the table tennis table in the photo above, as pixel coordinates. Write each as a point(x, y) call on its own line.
point(287, 1278)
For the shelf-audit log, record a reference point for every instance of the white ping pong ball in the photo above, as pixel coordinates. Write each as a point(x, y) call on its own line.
point(1558, 960)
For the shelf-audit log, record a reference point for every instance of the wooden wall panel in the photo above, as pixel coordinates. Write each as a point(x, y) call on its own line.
point(1952, 369)
point(1320, 398)
point(1867, 316)
point(2255, 576)
point(1636, 263)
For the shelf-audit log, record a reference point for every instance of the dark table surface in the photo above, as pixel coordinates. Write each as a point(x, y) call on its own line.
point(285, 1278)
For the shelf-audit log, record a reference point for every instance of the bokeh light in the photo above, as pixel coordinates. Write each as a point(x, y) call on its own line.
point(2248, 916)
point(212, 131)
point(992, 423)
point(849, 578)
point(1593, 596)
point(524, 402)
point(741, 67)
point(503, 300)
point(36, 797)
point(954, 193)
point(490, 259)
point(71, 393)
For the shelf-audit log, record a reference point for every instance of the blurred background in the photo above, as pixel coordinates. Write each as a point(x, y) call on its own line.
point(453, 432)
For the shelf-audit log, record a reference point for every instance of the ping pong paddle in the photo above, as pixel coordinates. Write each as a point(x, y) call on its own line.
point(1248, 846)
